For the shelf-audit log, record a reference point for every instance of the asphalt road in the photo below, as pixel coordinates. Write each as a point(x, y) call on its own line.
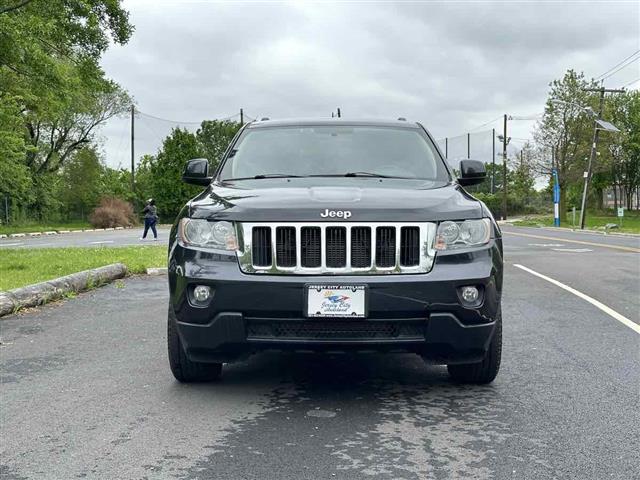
point(86, 391)
point(111, 238)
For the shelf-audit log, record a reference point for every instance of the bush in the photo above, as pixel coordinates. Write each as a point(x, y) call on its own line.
point(112, 212)
point(515, 204)
point(493, 202)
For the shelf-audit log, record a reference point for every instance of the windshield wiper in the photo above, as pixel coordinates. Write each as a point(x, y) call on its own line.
point(263, 175)
point(365, 174)
point(353, 174)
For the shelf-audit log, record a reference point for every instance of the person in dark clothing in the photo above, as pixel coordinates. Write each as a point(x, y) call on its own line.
point(150, 219)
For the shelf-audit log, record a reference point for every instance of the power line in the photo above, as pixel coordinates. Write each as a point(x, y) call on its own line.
point(534, 116)
point(487, 123)
point(631, 82)
point(611, 71)
point(179, 122)
point(166, 119)
point(621, 68)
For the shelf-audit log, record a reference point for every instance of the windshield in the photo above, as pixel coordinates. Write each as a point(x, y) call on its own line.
point(334, 151)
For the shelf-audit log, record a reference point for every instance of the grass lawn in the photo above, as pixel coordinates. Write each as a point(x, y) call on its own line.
point(42, 227)
point(20, 267)
point(630, 223)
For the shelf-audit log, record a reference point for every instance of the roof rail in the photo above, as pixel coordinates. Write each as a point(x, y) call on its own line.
point(264, 119)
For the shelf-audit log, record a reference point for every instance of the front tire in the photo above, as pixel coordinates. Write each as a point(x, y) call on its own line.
point(485, 371)
point(183, 369)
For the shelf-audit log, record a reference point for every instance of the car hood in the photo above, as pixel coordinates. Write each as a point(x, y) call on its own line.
point(367, 200)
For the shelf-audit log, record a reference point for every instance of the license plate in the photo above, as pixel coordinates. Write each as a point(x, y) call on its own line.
point(336, 301)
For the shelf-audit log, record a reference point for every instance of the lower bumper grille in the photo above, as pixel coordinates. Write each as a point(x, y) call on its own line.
point(333, 330)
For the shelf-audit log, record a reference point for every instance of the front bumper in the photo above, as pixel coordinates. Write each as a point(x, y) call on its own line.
point(419, 313)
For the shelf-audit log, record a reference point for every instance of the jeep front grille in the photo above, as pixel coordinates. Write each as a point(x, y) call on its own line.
point(336, 248)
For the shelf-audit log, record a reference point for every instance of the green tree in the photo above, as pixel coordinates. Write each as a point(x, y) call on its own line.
point(522, 179)
point(565, 129)
point(80, 188)
point(214, 136)
point(161, 174)
point(116, 182)
point(54, 138)
point(624, 147)
point(16, 185)
point(53, 91)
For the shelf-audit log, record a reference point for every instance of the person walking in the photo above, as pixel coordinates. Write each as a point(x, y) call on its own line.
point(150, 219)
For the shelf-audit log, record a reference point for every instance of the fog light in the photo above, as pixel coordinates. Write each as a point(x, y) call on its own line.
point(470, 294)
point(201, 293)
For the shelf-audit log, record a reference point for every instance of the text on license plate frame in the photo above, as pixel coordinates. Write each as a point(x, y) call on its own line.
point(328, 301)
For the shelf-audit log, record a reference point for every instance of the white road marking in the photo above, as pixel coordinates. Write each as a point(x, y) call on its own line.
point(566, 240)
point(104, 241)
point(609, 311)
point(10, 244)
point(572, 250)
point(546, 245)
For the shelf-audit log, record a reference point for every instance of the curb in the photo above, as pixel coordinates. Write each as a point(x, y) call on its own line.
point(41, 293)
point(157, 271)
point(60, 232)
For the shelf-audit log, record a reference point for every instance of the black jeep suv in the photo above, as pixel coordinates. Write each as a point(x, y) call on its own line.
point(334, 235)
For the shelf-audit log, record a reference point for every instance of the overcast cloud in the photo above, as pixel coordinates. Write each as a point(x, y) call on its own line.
point(451, 65)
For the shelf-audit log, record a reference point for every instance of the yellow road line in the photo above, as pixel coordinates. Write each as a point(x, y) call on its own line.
point(608, 310)
point(581, 242)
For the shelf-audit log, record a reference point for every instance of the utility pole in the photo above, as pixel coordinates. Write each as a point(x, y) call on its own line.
point(446, 148)
point(505, 141)
point(339, 115)
point(241, 117)
point(468, 145)
point(594, 146)
point(556, 189)
point(133, 116)
point(493, 157)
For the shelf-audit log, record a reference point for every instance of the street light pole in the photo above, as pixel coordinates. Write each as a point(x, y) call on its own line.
point(493, 160)
point(594, 146)
point(505, 140)
point(556, 189)
point(133, 119)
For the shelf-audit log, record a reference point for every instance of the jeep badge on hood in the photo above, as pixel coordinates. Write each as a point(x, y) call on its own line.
point(335, 213)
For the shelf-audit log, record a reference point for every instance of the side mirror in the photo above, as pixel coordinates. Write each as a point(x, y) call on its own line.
point(196, 172)
point(472, 172)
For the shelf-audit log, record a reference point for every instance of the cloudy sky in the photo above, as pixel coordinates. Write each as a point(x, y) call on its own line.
point(451, 65)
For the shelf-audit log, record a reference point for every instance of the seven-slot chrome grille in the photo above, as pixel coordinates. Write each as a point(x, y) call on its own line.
point(336, 248)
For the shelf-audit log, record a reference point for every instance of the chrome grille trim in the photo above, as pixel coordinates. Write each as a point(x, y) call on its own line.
point(427, 233)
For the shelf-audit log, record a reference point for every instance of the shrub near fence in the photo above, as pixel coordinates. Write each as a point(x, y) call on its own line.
point(112, 212)
point(515, 204)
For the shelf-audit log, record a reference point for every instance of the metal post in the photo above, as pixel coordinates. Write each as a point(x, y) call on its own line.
point(339, 115)
point(493, 157)
point(587, 174)
point(594, 146)
point(556, 191)
point(504, 170)
point(241, 117)
point(446, 148)
point(133, 116)
point(468, 145)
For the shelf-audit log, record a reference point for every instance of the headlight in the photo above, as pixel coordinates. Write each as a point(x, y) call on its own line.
point(202, 233)
point(470, 233)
